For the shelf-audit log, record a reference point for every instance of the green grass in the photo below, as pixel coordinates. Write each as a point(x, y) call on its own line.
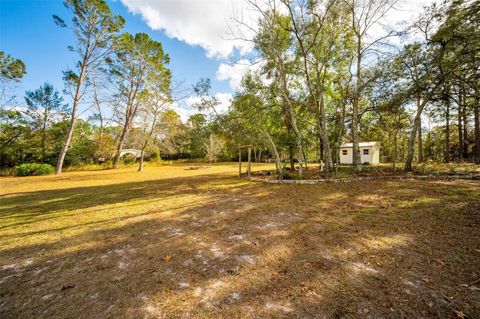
point(172, 242)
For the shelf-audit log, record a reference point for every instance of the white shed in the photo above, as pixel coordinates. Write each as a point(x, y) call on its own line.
point(369, 153)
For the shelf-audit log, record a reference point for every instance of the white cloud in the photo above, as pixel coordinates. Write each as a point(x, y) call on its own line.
point(184, 111)
point(408, 10)
point(209, 24)
point(233, 72)
point(225, 100)
point(203, 23)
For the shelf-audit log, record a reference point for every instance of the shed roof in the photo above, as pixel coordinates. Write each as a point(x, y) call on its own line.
point(361, 144)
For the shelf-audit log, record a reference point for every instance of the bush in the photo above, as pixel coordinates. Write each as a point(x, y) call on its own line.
point(8, 171)
point(128, 159)
point(34, 169)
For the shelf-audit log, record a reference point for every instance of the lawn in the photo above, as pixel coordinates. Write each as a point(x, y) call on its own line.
point(174, 242)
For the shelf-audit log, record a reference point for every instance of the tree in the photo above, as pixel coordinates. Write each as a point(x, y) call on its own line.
point(44, 104)
point(11, 70)
point(213, 148)
point(425, 69)
point(172, 135)
point(100, 98)
point(388, 97)
point(196, 133)
point(253, 117)
point(458, 35)
point(15, 137)
point(208, 103)
point(138, 59)
point(365, 15)
point(323, 43)
point(273, 41)
point(157, 97)
point(418, 65)
point(95, 28)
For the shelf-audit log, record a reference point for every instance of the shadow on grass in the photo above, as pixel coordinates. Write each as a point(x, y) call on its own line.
point(28, 206)
point(250, 250)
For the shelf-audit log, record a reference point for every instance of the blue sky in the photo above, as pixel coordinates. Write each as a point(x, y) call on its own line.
point(27, 32)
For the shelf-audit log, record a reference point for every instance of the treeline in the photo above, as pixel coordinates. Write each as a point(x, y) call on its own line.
point(37, 136)
point(127, 73)
point(123, 78)
point(327, 72)
point(330, 73)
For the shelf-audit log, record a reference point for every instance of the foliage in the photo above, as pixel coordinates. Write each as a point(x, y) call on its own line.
point(44, 105)
point(11, 68)
point(34, 169)
point(139, 64)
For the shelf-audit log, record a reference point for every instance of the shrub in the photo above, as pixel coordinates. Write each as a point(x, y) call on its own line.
point(34, 169)
point(423, 169)
point(8, 171)
point(128, 159)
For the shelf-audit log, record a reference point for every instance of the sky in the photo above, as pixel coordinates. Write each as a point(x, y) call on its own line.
point(197, 34)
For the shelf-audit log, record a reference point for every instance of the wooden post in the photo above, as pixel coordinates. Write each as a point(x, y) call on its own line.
point(249, 161)
point(239, 162)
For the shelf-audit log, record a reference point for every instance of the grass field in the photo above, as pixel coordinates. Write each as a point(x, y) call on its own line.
point(172, 242)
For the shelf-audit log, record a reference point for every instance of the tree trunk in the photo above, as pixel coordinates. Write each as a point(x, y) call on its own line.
point(476, 119)
point(298, 140)
point(293, 117)
point(447, 132)
point(278, 162)
point(320, 149)
point(356, 149)
point(465, 128)
point(66, 143)
point(210, 153)
point(100, 138)
point(325, 142)
point(73, 118)
point(116, 160)
point(460, 130)
point(292, 159)
point(140, 165)
point(355, 104)
point(327, 152)
point(97, 103)
point(411, 140)
point(411, 143)
point(395, 145)
point(44, 139)
point(420, 144)
point(305, 159)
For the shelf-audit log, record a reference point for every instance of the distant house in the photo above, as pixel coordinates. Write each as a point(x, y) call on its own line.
point(369, 153)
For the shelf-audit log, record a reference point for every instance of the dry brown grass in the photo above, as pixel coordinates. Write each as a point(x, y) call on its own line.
point(177, 243)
